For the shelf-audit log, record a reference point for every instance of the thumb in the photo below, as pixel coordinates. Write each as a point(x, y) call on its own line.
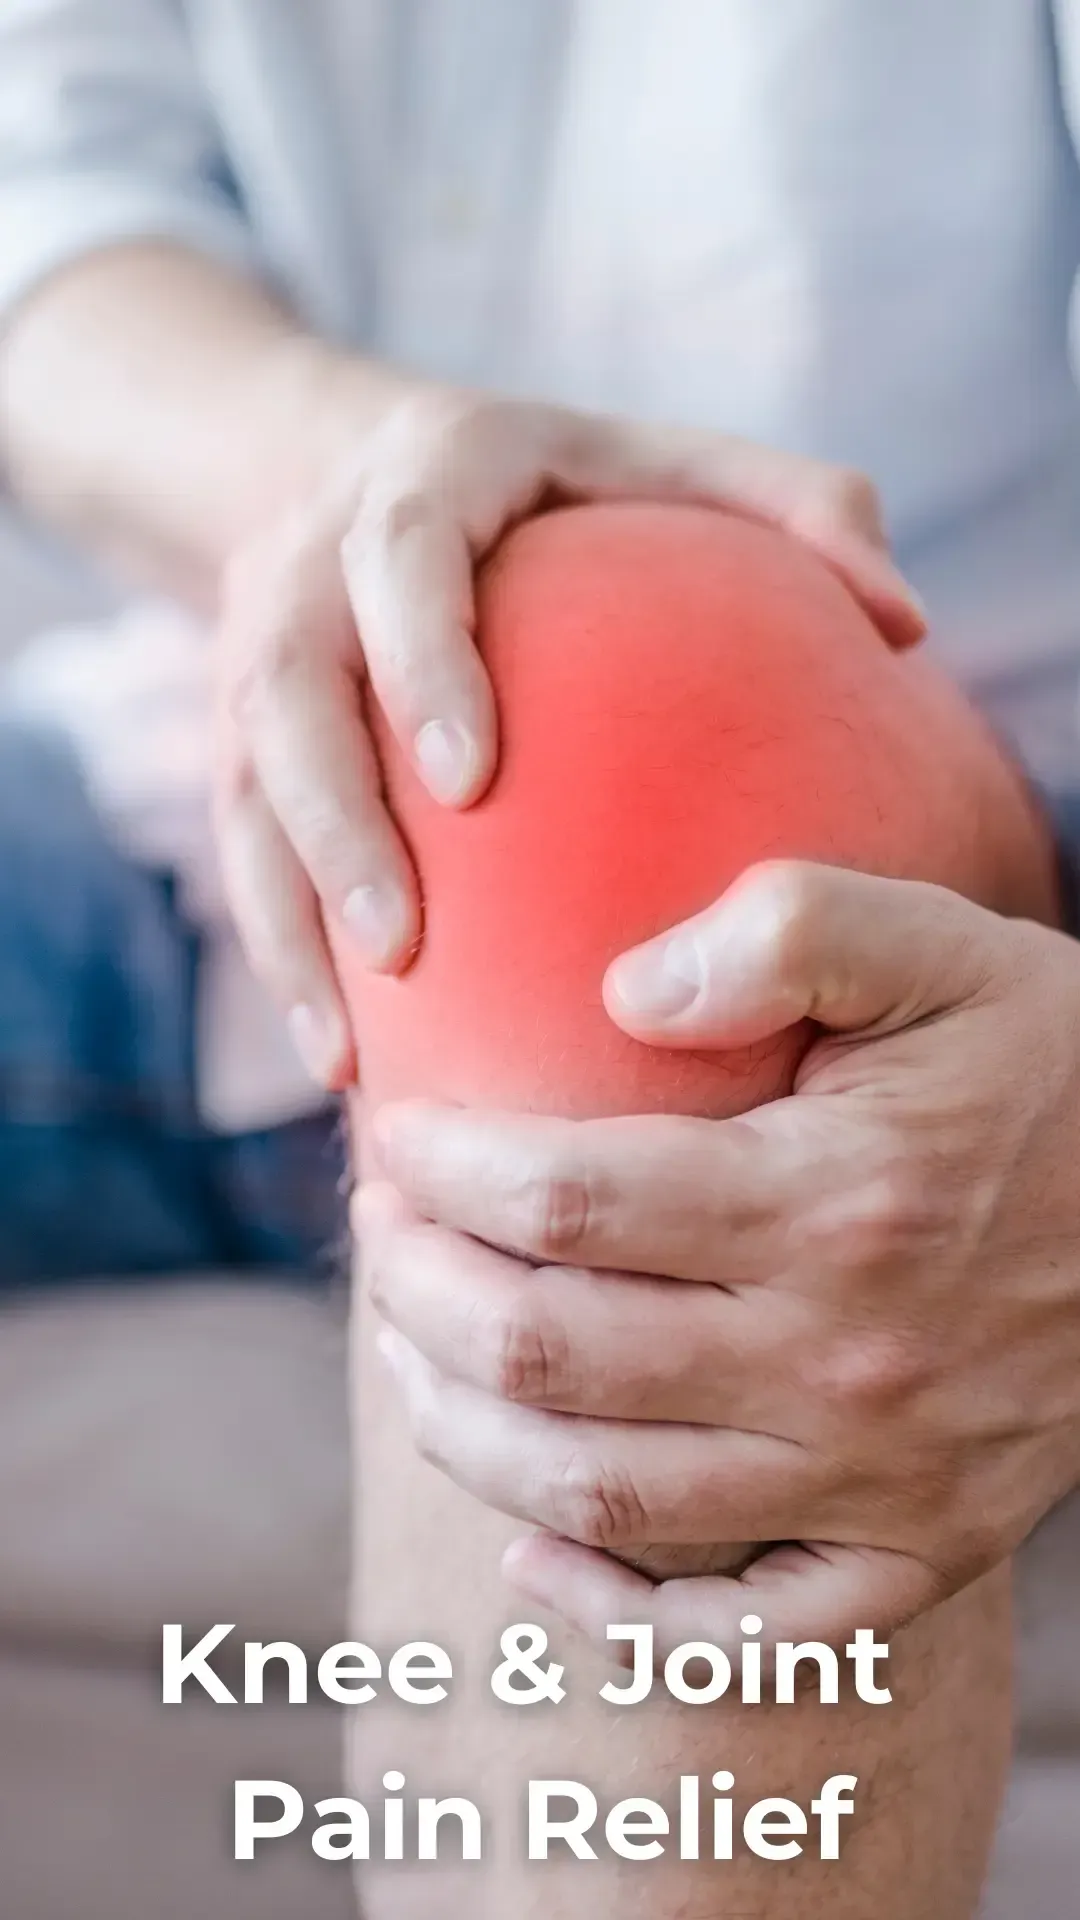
point(791, 941)
point(793, 1593)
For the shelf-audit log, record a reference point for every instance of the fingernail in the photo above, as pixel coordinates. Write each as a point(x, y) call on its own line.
point(317, 1041)
point(377, 918)
point(658, 983)
point(447, 758)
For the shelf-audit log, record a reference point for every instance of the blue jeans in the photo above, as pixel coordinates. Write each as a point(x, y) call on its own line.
point(105, 1167)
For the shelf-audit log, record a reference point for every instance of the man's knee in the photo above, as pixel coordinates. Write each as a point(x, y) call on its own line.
point(681, 695)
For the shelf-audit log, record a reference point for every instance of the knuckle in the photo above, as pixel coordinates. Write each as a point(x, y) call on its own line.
point(848, 498)
point(889, 1212)
point(419, 435)
point(483, 429)
point(553, 1214)
point(788, 897)
point(600, 1507)
point(285, 652)
point(855, 493)
point(235, 784)
point(434, 417)
point(529, 1363)
point(389, 515)
point(275, 656)
point(876, 1219)
point(867, 1373)
point(872, 1222)
point(244, 693)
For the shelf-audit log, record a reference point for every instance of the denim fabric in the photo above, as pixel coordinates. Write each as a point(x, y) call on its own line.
point(105, 1168)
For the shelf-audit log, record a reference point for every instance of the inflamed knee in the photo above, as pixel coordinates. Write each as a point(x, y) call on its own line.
point(681, 693)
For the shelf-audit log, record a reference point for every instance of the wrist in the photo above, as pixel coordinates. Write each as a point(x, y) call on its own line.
point(305, 413)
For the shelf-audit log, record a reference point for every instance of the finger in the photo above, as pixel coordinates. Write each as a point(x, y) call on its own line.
point(614, 1346)
point(408, 569)
point(795, 1594)
point(792, 941)
point(319, 770)
point(833, 510)
point(280, 925)
point(619, 1486)
point(696, 1200)
point(297, 706)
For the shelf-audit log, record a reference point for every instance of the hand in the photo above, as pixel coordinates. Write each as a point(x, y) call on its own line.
point(866, 1333)
point(386, 552)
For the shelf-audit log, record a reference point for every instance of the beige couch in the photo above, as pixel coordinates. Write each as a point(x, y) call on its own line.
point(180, 1454)
point(165, 1454)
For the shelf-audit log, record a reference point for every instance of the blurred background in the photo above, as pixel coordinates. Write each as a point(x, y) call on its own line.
point(42, 585)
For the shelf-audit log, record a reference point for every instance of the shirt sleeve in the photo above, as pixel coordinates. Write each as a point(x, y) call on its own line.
point(106, 135)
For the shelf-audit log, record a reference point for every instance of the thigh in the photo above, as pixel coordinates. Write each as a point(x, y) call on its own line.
point(930, 1767)
point(102, 1160)
point(105, 1166)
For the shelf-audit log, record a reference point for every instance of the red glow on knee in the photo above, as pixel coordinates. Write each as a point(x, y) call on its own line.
point(682, 693)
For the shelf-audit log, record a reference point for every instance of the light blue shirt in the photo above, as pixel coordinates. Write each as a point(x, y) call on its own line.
point(846, 226)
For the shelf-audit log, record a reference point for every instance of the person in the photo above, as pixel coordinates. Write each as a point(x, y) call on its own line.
point(262, 272)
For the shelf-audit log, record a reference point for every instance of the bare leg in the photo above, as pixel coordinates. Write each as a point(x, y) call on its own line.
point(930, 1767)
